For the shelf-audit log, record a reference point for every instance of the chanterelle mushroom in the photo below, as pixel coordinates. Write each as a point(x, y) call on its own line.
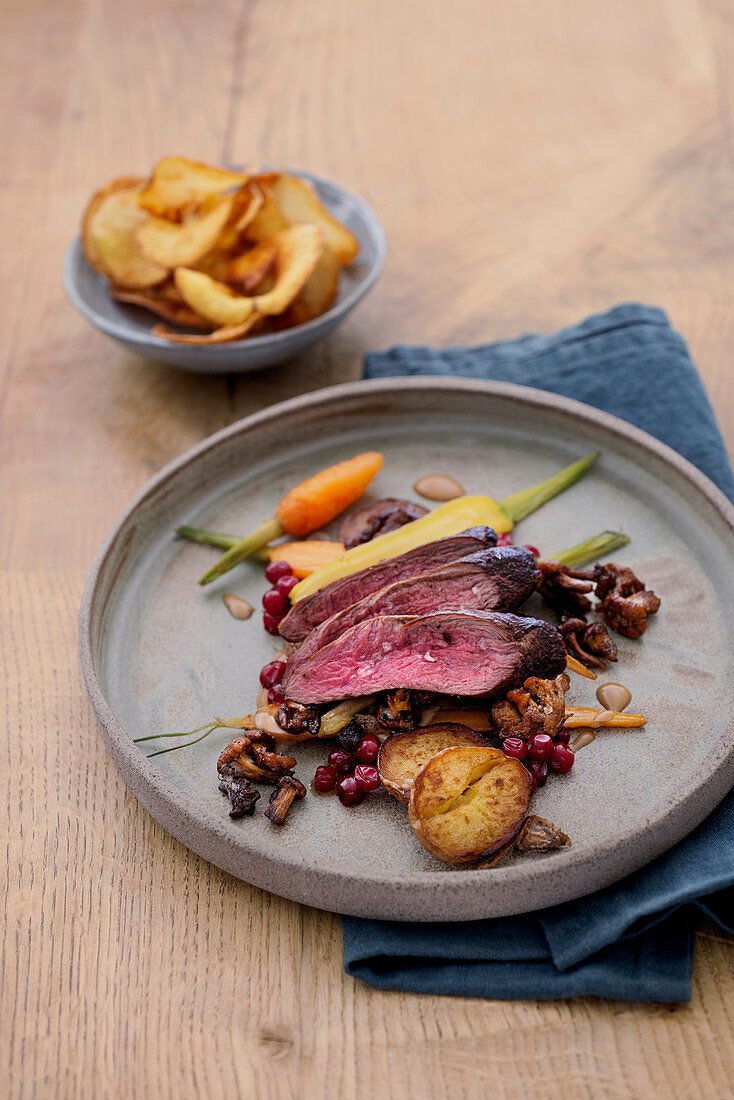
point(588, 642)
point(280, 800)
point(251, 756)
point(567, 590)
point(625, 602)
point(242, 796)
point(537, 707)
point(540, 835)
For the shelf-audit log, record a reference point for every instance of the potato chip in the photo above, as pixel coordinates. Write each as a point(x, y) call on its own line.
point(319, 291)
point(298, 202)
point(298, 252)
point(181, 245)
point(179, 184)
point(220, 335)
point(248, 270)
point(109, 228)
point(162, 303)
point(269, 219)
point(213, 300)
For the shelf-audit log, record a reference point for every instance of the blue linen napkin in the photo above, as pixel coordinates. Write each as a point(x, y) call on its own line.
point(634, 940)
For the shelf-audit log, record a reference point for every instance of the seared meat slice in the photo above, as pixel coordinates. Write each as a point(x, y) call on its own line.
point(452, 652)
point(499, 579)
point(341, 593)
point(378, 518)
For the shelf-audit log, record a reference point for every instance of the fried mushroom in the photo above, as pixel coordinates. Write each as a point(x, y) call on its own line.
point(252, 756)
point(399, 711)
point(566, 590)
point(625, 602)
point(288, 789)
point(297, 719)
point(242, 796)
point(539, 706)
point(588, 642)
point(540, 835)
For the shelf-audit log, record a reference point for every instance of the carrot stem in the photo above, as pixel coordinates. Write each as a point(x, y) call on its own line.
point(519, 505)
point(244, 548)
point(207, 538)
point(590, 549)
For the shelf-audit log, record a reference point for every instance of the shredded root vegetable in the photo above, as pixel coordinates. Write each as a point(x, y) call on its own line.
point(595, 718)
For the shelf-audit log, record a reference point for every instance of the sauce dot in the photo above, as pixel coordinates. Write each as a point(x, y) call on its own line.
point(237, 607)
point(438, 487)
point(613, 696)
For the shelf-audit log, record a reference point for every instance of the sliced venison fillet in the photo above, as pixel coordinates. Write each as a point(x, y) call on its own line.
point(452, 652)
point(498, 579)
point(312, 610)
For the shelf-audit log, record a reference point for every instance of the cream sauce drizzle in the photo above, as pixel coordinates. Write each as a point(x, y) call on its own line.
point(614, 696)
point(237, 607)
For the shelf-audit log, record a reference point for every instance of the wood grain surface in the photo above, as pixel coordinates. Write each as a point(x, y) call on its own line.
point(532, 162)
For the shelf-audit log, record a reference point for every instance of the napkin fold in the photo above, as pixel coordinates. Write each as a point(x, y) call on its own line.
point(634, 940)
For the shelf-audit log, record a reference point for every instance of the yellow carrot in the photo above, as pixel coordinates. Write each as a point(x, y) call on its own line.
point(576, 666)
point(305, 557)
point(594, 718)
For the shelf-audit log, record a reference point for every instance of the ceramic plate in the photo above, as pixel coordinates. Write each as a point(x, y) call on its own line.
point(159, 653)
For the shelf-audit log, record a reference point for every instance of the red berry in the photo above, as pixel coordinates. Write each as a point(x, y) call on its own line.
point(275, 602)
point(286, 585)
point(276, 570)
point(540, 747)
point(349, 791)
point(342, 761)
point(367, 749)
point(367, 778)
point(562, 760)
point(515, 748)
point(533, 550)
point(272, 673)
point(275, 696)
point(504, 539)
point(325, 779)
point(533, 783)
point(539, 769)
point(563, 736)
point(271, 622)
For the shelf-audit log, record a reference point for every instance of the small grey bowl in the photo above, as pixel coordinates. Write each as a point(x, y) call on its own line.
point(132, 326)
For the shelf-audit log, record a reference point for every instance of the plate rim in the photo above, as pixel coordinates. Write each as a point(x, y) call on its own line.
point(171, 806)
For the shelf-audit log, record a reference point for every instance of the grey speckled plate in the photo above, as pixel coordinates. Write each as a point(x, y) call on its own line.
point(161, 654)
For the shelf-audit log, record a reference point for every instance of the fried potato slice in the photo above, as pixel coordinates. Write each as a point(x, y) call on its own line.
point(182, 245)
point(269, 218)
point(319, 291)
point(213, 300)
point(466, 803)
point(248, 270)
point(403, 755)
point(160, 302)
point(109, 227)
point(298, 202)
point(222, 335)
point(297, 251)
point(247, 202)
point(178, 185)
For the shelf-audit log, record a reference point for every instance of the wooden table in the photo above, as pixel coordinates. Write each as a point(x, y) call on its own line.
point(532, 162)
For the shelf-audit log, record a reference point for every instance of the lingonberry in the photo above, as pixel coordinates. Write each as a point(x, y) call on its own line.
point(272, 673)
point(533, 550)
point(276, 570)
point(562, 736)
point(562, 760)
point(504, 539)
point(533, 782)
point(286, 585)
point(275, 696)
point(539, 770)
point(515, 747)
point(540, 747)
point(367, 778)
point(349, 791)
point(325, 778)
point(367, 749)
point(342, 761)
point(274, 602)
point(271, 622)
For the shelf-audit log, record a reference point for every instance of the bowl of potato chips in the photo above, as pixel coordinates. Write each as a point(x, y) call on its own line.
point(219, 269)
